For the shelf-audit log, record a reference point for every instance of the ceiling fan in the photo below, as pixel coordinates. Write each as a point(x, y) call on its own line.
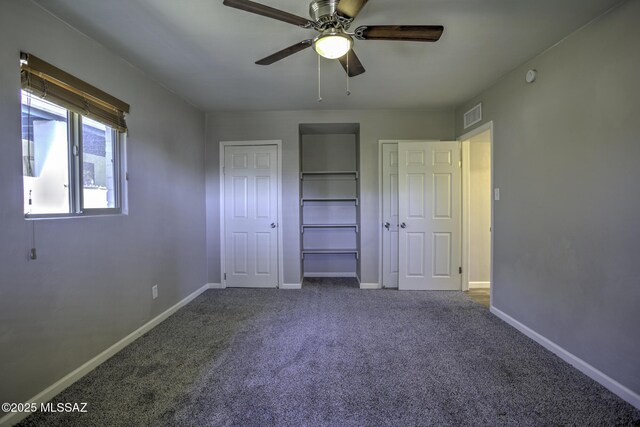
point(332, 19)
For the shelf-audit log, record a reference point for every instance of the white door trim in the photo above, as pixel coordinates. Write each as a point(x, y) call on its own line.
point(464, 259)
point(380, 208)
point(223, 145)
point(465, 212)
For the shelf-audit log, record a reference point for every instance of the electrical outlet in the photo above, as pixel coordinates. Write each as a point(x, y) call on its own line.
point(154, 291)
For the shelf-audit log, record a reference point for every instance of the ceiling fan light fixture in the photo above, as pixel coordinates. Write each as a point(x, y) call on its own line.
point(332, 44)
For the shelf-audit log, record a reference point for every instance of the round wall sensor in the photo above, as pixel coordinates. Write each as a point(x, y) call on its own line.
point(531, 76)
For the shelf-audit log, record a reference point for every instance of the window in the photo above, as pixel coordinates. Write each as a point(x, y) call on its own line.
point(72, 144)
point(70, 162)
point(99, 165)
point(45, 153)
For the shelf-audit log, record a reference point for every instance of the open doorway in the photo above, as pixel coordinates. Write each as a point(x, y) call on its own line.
point(477, 214)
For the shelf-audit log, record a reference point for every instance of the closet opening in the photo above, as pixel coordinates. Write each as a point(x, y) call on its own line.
point(330, 201)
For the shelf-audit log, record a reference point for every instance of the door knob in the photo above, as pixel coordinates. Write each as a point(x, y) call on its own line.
point(273, 225)
point(387, 225)
point(403, 225)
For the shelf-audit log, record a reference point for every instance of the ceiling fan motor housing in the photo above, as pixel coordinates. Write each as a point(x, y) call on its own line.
point(322, 9)
point(325, 16)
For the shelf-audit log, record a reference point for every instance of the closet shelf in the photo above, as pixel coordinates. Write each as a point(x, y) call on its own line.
point(330, 252)
point(356, 173)
point(329, 199)
point(329, 226)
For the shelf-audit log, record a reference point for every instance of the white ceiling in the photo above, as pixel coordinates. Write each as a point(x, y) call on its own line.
point(205, 51)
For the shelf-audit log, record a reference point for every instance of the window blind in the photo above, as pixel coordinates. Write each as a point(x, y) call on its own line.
point(49, 82)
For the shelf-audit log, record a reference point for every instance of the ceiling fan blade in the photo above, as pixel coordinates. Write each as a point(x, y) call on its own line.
point(285, 52)
point(351, 8)
point(355, 66)
point(269, 12)
point(416, 33)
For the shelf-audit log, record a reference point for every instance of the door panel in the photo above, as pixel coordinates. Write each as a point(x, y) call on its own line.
point(239, 253)
point(251, 239)
point(263, 161)
point(442, 254)
point(429, 215)
point(263, 253)
point(239, 161)
point(415, 255)
point(442, 196)
point(442, 158)
point(415, 196)
point(263, 197)
point(240, 197)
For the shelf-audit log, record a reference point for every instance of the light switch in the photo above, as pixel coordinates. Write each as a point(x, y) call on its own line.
point(496, 194)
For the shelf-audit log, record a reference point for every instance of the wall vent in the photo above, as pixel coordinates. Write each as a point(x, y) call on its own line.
point(473, 116)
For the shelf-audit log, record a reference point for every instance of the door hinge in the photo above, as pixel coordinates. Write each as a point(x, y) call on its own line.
point(460, 163)
point(459, 270)
point(225, 276)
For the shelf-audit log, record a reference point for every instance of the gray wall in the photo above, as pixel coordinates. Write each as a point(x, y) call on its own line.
point(566, 152)
point(91, 284)
point(284, 125)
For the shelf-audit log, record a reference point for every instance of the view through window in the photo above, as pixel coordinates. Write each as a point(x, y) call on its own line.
point(45, 153)
point(98, 165)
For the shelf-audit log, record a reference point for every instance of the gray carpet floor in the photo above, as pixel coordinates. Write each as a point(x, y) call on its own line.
point(333, 355)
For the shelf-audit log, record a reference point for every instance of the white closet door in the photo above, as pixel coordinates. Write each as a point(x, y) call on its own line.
point(390, 215)
point(251, 216)
point(429, 215)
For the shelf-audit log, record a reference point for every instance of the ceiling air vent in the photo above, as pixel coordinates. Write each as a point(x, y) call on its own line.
point(473, 116)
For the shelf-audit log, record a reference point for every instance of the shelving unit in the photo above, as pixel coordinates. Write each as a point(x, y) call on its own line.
point(330, 252)
point(305, 226)
point(302, 174)
point(330, 200)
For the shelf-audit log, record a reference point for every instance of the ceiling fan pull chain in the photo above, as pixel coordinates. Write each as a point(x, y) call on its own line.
point(348, 91)
point(319, 92)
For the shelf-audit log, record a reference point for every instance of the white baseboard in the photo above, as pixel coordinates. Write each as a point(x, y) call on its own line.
point(346, 274)
point(479, 285)
point(57, 387)
point(291, 286)
point(370, 286)
point(216, 286)
point(595, 374)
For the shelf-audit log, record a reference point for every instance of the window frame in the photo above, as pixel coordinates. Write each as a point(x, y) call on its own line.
point(76, 169)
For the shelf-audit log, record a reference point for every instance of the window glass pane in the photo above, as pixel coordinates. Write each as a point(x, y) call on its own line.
point(98, 166)
point(45, 156)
